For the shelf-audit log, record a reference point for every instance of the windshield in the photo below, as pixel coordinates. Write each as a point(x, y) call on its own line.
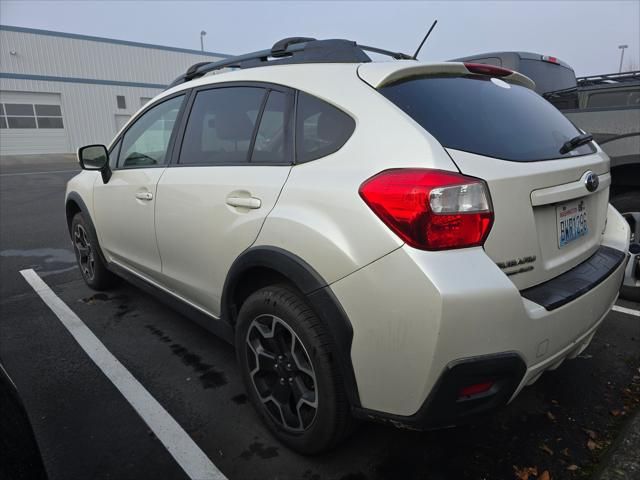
point(549, 77)
point(486, 116)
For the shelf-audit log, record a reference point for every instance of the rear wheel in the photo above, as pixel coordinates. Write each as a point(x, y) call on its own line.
point(85, 244)
point(628, 204)
point(289, 370)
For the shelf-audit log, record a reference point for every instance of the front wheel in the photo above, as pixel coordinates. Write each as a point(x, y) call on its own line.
point(85, 244)
point(288, 364)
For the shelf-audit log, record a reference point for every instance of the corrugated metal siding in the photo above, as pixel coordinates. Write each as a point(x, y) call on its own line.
point(58, 56)
point(89, 110)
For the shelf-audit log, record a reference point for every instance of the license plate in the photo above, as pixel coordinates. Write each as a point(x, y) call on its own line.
point(572, 222)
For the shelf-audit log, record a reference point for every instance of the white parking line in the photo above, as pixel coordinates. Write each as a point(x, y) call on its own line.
point(38, 173)
point(181, 447)
point(628, 311)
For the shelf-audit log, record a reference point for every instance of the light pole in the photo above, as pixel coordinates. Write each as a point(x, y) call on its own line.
point(202, 34)
point(621, 47)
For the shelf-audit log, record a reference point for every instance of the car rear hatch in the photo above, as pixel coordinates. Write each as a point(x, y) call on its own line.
point(549, 207)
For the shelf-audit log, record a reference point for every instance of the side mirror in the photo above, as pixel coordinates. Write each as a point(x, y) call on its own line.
point(93, 157)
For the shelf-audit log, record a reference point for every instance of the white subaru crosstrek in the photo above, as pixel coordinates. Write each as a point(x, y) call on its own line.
point(398, 241)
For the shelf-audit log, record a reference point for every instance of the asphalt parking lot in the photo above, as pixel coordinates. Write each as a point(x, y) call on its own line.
point(85, 427)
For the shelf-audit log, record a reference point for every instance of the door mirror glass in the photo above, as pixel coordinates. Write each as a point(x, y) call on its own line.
point(93, 157)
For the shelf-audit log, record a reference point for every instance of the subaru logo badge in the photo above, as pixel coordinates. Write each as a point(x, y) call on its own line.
point(591, 181)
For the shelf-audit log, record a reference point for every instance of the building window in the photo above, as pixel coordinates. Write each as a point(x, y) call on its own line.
point(20, 115)
point(25, 115)
point(121, 101)
point(49, 116)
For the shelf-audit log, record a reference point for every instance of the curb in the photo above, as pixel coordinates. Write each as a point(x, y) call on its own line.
point(622, 462)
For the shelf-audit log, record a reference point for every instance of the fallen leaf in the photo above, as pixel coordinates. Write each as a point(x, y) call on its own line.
point(551, 416)
point(565, 452)
point(544, 476)
point(555, 402)
point(616, 412)
point(525, 472)
point(546, 449)
point(592, 435)
point(591, 445)
point(573, 468)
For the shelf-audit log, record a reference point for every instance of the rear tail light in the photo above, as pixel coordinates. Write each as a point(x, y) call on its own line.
point(431, 209)
point(549, 59)
point(484, 69)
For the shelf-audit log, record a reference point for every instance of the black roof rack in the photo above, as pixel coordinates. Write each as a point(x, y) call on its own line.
point(599, 81)
point(290, 51)
point(609, 79)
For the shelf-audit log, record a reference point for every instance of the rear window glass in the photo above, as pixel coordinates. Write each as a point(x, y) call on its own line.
point(486, 116)
point(549, 77)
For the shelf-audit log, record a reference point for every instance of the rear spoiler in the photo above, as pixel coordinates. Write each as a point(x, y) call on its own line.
point(384, 73)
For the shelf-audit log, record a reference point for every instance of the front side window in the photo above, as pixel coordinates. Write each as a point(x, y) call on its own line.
point(321, 128)
point(146, 142)
point(221, 126)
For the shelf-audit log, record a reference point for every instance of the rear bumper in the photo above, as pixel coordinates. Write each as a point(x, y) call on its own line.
point(423, 320)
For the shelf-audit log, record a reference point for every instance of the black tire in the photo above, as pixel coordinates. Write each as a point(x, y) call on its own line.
point(626, 203)
point(87, 250)
point(282, 309)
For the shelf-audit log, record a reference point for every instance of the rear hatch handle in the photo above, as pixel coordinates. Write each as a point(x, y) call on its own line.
point(570, 191)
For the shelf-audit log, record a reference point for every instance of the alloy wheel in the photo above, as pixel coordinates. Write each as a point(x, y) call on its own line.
point(282, 373)
point(84, 252)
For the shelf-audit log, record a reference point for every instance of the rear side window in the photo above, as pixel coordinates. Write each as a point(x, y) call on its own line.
point(321, 128)
point(272, 143)
point(486, 116)
point(221, 125)
point(625, 98)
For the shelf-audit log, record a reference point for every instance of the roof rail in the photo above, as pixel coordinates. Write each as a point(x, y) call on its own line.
point(292, 50)
point(609, 79)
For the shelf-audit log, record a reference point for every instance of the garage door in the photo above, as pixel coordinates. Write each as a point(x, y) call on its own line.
point(32, 122)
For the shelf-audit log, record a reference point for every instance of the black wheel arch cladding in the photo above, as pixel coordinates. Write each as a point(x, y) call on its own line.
point(315, 290)
point(74, 205)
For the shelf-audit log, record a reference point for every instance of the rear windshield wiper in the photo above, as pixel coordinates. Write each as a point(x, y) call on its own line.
point(575, 142)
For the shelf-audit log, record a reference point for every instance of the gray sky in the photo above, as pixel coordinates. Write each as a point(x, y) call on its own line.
point(586, 34)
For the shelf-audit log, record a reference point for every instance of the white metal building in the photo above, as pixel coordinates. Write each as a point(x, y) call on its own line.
point(59, 91)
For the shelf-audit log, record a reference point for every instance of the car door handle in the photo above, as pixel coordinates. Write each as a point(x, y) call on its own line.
point(244, 202)
point(144, 196)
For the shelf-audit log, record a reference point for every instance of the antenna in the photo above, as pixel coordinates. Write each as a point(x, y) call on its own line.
point(415, 55)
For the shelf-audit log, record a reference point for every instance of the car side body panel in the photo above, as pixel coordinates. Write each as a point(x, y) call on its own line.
point(199, 234)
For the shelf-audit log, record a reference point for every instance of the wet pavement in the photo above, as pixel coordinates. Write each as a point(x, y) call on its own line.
point(85, 428)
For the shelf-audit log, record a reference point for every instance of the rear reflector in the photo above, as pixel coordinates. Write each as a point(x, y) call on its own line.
point(431, 209)
point(475, 389)
point(490, 70)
